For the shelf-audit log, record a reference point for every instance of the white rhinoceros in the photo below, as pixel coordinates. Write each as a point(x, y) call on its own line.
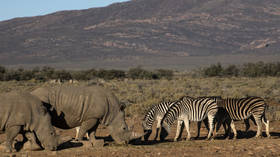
point(22, 113)
point(86, 107)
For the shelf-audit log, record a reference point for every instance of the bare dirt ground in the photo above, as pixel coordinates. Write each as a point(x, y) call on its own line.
point(244, 146)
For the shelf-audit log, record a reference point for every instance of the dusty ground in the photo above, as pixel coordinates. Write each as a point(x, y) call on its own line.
point(243, 146)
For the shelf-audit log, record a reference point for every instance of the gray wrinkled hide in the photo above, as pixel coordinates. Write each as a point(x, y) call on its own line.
point(73, 106)
point(21, 112)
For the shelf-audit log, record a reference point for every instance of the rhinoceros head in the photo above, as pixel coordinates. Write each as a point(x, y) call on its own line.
point(42, 94)
point(119, 130)
point(45, 131)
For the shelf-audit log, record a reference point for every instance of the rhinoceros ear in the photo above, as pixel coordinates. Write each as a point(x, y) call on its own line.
point(122, 107)
point(43, 110)
point(125, 104)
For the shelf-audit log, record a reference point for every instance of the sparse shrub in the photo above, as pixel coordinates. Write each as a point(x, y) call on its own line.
point(79, 75)
point(258, 69)
point(163, 73)
point(231, 70)
point(111, 74)
point(139, 73)
point(214, 70)
point(62, 75)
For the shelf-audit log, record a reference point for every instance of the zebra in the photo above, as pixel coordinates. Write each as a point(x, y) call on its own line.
point(189, 109)
point(157, 112)
point(243, 109)
point(222, 118)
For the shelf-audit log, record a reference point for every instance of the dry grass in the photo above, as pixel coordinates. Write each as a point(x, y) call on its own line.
point(144, 93)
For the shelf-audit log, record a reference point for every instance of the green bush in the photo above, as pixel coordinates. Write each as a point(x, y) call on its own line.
point(214, 70)
point(258, 69)
point(163, 73)
point(139, 73)
point(111, 74)
point(231, 70)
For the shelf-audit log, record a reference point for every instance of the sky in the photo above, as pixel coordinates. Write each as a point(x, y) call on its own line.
point(24, 8)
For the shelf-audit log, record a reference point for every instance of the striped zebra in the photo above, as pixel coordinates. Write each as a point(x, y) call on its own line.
point(222, 118)
point(242, 109)
point(156, 112)
point(190, 109)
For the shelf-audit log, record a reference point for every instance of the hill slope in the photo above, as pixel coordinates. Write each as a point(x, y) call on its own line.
point(143, 29)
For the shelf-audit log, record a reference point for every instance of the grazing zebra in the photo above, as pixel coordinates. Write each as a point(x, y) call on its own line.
point(156, 112)
point(242, 109)
point(190, 109)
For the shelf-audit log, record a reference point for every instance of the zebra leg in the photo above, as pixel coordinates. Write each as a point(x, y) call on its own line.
point(198, 129)
point(247, 123)
point(206, 123)
point(211, 126)
point(259, 124)
point(77, 133)
point(228, 132)
point(158, 128)
point(87, 136)
point(218, 125)
point(233, 129)
point(179, 129)
point(157, 132)
point(187, 123)
point(266, 123)
point(227, 128)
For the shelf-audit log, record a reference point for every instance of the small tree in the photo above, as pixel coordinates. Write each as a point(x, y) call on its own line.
point(139, 73)
point(214, 70)
point(163, 73)
point(231, 70)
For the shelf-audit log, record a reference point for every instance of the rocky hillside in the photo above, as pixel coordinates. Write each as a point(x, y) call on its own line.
point(143, 29)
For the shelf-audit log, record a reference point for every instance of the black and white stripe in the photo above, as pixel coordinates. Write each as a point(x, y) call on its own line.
point(156, 112)
point(190, 109)
point(242, 109)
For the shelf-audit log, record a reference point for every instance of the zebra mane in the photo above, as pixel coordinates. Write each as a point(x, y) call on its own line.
point(184, 98)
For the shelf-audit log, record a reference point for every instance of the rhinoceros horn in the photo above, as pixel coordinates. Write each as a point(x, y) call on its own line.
point(135, 135)
point(62, 140)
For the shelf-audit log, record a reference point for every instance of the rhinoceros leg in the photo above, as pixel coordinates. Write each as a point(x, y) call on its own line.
point(31, 143)
point(92, 138)
point(77, 133)
point(11, 133)
point(85, 127)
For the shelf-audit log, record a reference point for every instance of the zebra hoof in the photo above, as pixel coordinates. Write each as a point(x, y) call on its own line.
point(258, 137)
point(175, 140)
point(188, 139)
point(209, 139)
point(269, 137)
point(227, 138)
